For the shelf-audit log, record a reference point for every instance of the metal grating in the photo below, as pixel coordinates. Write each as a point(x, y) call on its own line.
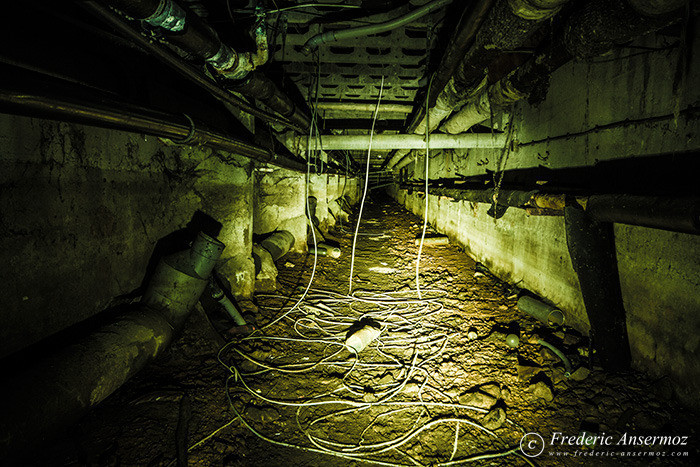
point(352, 71)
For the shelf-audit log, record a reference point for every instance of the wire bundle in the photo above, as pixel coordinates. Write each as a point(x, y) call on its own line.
point(383, 403)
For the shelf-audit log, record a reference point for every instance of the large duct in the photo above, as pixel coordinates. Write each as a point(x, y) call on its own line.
point(56, 390)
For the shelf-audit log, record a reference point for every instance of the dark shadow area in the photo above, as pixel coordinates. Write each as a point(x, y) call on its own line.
point(171, 243)
point(667, 174)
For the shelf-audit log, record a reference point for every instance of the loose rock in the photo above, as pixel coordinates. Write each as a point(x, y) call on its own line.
point(541, 391)
point(494, 419)
point(580, 374)
point(491, 389)
point(478, 399)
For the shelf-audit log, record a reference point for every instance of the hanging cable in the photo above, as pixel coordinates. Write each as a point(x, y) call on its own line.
point(427, 166)
point(308, 217)
point(364, 195)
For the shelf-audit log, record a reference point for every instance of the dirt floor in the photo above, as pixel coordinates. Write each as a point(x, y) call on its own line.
point(440, 385)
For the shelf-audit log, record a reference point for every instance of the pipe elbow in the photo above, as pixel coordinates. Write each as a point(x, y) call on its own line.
point(314, 42)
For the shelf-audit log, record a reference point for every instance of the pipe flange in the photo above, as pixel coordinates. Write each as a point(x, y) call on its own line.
point(168, 16)
point(223, 59)
point(244, 65)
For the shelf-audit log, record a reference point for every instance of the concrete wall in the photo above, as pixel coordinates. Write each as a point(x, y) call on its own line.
point(81, 211)
point(659, 270)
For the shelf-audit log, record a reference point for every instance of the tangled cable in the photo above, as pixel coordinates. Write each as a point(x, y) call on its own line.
point(378, 406)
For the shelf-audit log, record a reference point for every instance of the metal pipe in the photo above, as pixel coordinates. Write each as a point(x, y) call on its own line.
point(364, 107)
point(587, 34)
point(547, 314)
point(593, 255)
point(195, 76)
point(121, 116)
point(278, 244)
point(384, 142)
point(218, 294)
point(676, 214)
point(57, 390)
point(377, 28)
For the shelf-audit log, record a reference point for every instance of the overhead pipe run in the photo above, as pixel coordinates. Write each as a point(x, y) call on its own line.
point(388, 142)
point(377, 28)
point(187, 30)
point(117, 115)
point(58, 389)
point(589, 33)
point(456, 49)
point(674, 214)
point(200, 40)
point(508, 24)
point(364, 107)
point(173, 61)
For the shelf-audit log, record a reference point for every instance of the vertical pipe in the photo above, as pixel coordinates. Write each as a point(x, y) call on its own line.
point(592, 248)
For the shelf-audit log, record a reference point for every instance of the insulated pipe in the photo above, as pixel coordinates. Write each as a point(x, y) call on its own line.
point(278, 244)
point(594, 30)
point(457, 48)
point(171, 60)
point(55, 391)
point(672, 214)
point(377, 28)
point(121, 116)
point(187, 31)
point(200, 40)
point(364, 107)
point(676, 214)
point(507, 25)
point(384, 142)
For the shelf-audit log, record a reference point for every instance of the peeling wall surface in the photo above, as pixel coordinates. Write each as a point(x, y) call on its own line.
point(84, 208)
point(617, 106)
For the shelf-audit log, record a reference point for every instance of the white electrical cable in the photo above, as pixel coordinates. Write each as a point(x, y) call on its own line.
point(308, 216)
point(364, 195)
point(406, 326)
point(427, 162)
point(408, 347)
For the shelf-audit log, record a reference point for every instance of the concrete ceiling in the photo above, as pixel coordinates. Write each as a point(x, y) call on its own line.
point(347, 74)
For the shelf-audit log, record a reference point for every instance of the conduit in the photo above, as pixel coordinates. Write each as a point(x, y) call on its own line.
point(121, 116)
point(377, 28)
point(55, 391)
point(387, 142)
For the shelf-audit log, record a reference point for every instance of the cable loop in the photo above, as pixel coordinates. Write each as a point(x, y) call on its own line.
point(190, 135)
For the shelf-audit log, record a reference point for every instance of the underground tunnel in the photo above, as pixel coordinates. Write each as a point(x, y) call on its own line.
point(349, 233)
